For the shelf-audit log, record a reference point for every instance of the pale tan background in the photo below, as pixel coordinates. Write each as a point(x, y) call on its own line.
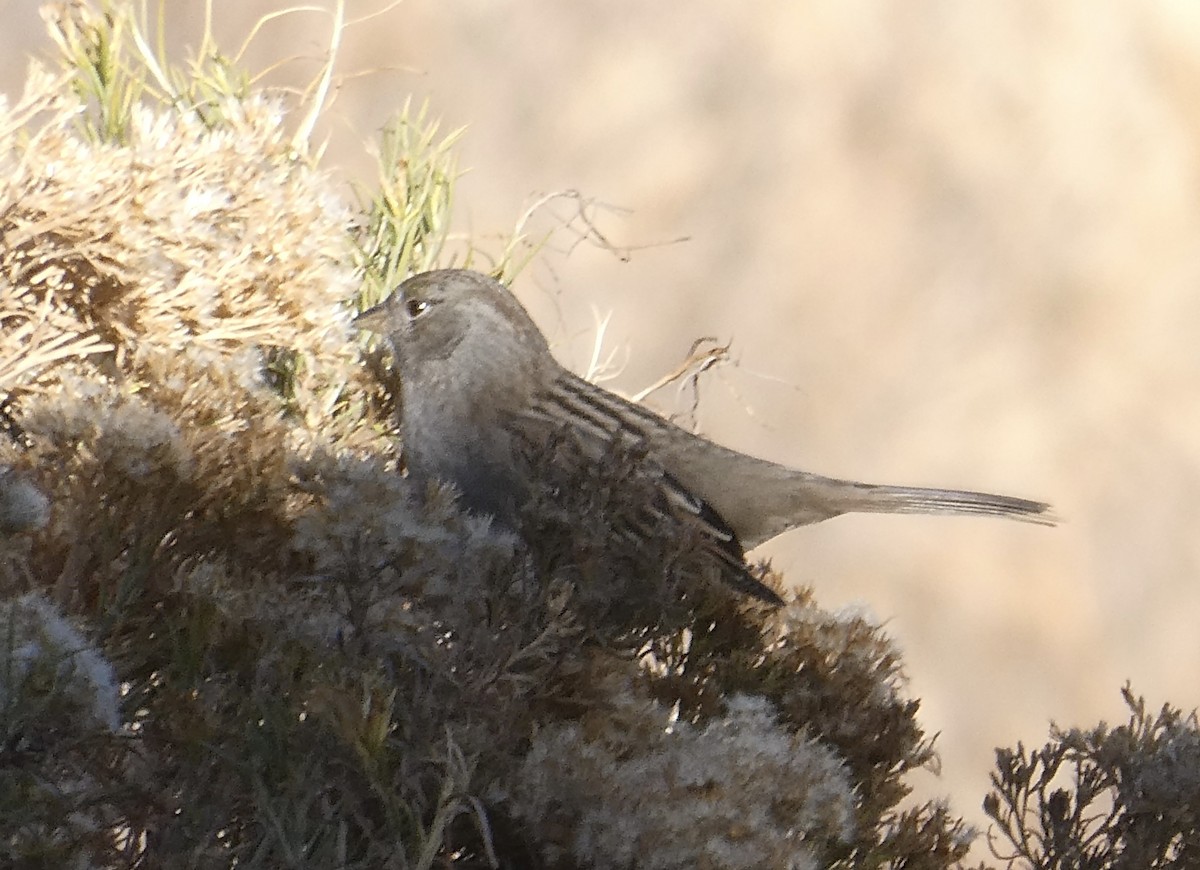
point(953, 244)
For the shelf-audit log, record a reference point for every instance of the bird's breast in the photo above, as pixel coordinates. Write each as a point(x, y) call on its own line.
point(452, 436)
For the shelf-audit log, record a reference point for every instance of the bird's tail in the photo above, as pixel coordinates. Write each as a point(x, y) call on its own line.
point(848, 496)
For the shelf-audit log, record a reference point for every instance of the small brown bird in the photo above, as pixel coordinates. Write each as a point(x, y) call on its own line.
point(480, 389)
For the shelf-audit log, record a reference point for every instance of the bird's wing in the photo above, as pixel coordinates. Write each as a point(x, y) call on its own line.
point(601, 424)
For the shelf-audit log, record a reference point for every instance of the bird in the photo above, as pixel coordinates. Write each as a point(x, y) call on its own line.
point(480, 389)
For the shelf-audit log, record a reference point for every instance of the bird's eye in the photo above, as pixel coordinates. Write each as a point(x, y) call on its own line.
point(416, 307)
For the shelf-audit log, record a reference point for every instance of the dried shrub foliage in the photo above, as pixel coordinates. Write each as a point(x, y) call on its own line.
point(1102, 798)
point(317, 665)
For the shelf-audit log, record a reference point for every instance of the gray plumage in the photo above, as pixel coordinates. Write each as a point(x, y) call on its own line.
point(478, 382)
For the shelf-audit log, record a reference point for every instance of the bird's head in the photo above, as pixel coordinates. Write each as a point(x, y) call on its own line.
point(457, 320)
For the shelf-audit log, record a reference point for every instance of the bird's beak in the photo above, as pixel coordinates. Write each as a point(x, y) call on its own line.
point(374, 319)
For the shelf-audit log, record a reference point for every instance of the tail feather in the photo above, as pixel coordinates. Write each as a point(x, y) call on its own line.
point(810, 498)
point(871, 498)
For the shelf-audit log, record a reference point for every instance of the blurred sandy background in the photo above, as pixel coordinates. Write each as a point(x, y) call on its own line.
point(953, 244)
